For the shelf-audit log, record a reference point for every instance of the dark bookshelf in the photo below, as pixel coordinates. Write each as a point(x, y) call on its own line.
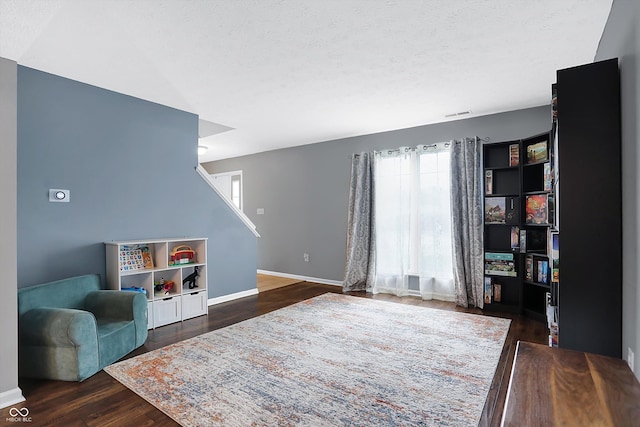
point(590, 210)
point(581, 163)
point(517, 179)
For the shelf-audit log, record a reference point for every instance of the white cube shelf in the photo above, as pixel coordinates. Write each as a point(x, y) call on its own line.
point(171, 296)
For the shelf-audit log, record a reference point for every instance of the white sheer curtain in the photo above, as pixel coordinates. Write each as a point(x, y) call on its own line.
point(413, 222)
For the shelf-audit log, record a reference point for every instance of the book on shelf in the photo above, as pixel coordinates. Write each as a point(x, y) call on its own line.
point(553, 335)
point(500, 264)
point(554, 293)
point(542, 268)
point(537, 152)
point(502, 210)
point(537, 209)
point(487, 290)
point(555, 257)
point(488, 182)
point(515, 238)
point(497, 292)
point(552, 320)
point(536, 269)
point(495, 210)
point(514, 155)
point(528, 268)
point(548, 177)
point(551, 202)
point(523, 241)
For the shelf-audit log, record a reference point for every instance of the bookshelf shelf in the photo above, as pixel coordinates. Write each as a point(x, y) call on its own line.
point(540, 162)
point(503, 168)
point(534, 193)
point(503, 195)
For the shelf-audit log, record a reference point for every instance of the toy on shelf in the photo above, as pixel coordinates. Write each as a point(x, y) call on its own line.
point(131, 259)
point(182, 255)
point(136, 257)
point(165, 285)
point(191, 279)
point(168, 286)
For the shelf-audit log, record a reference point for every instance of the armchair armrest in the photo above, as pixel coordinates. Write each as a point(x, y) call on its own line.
point(58, 343)
point(120, 305)
point(57, 327)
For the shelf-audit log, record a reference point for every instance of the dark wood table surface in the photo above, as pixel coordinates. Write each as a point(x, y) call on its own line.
point(559, 387)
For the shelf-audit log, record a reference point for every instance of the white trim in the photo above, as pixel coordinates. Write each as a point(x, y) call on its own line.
point(11, 397)
point(230, 173)
point(302, 278)
point(250, 225)
point(231, 297)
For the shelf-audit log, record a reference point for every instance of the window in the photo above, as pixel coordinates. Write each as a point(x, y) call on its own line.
point(413, 221)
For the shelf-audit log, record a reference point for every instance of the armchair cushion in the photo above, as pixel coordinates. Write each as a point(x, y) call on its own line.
point(70, 329)
point(116, 306)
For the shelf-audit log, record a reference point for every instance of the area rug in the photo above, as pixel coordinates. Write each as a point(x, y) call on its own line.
point(333, 360)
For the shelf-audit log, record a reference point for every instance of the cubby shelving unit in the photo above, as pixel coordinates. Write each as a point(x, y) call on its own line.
point(166, 303)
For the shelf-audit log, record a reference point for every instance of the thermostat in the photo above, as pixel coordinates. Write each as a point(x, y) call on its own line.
point(56, 195)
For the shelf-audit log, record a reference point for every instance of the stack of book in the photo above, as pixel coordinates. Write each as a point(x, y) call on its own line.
point(499, 264)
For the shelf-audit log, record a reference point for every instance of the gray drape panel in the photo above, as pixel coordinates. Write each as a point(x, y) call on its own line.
point(360, 266)
point(466, 222)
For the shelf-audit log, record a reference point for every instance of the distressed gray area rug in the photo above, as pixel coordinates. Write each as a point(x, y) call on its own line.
point(333, 360)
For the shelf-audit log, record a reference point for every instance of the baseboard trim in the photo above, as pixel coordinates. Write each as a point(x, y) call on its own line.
point(301, 278)
point(11, 397)
point(231, 297)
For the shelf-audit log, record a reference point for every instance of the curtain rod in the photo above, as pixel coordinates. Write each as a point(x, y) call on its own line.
point(425, 146)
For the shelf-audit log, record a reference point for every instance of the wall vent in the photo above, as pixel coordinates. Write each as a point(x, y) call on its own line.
point(461, 113)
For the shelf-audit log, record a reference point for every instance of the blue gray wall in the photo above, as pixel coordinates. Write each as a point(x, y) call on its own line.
point(129, 165)
point(621, 39)
point(304, 190)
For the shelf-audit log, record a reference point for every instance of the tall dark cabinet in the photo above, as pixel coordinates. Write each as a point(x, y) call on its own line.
point(590, 208)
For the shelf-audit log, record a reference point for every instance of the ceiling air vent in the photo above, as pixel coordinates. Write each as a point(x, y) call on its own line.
point(461, 113)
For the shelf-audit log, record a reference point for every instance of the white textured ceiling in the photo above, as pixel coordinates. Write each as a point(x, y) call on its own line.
point(291, 72)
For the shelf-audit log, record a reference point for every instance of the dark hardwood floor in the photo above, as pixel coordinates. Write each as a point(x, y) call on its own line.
point(103, 401)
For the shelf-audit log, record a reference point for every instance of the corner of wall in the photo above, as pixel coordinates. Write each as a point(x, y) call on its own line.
point(9, 391)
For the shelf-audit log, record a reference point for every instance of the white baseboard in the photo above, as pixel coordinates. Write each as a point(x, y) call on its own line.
point(302, 278)
point(11, 397)
point(250, 292)
point(231, 297)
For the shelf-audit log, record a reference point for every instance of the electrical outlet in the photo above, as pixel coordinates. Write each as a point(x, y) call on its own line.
point(306, 257)
point(630, 358)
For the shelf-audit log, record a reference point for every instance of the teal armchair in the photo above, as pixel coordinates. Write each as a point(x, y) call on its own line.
point(70, 329)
